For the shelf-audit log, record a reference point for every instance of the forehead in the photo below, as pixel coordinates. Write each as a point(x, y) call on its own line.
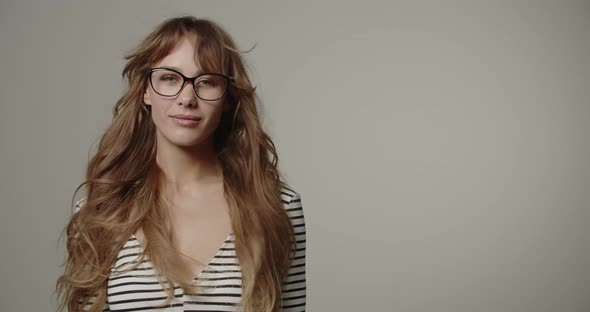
point(183, 57)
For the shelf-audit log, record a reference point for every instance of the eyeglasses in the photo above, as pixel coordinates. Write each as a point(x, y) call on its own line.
point(208, 86)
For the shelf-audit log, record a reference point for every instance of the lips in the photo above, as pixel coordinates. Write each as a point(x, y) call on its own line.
point(187, 117)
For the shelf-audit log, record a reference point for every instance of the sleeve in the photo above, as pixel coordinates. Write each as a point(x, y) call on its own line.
point(79, 204)
point(105, 308)
point(294, 287)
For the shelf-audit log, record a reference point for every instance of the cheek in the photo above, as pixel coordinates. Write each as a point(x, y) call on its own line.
point(159, 114)
point(215, 118)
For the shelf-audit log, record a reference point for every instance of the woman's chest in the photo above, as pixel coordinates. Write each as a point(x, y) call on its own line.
point(200, 226)
point(199, 237)
point(140, 290)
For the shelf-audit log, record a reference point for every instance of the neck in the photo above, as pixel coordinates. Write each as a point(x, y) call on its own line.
point(187, 168)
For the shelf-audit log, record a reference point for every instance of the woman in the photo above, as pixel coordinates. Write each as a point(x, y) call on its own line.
point(185, 168)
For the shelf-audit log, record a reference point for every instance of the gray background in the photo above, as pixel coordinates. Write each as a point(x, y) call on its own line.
point(441, 149)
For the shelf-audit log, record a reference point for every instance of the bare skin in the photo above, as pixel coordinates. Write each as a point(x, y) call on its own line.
point(201, 224)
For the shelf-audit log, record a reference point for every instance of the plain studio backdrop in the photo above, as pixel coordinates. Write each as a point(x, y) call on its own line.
point(441, 149)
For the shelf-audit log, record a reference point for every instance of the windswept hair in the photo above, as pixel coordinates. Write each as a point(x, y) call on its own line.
point(123, 183)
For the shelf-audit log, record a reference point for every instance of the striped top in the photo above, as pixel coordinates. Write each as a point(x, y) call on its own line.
point(221, 279)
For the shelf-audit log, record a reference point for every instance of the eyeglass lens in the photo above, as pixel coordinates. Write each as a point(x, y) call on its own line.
point(169, 83)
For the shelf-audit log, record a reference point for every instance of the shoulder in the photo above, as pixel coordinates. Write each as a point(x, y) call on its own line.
point(287, 193)
point(290, 198)
point(292, 203)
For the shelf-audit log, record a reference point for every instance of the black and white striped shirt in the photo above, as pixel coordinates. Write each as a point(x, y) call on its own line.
point(139, 290)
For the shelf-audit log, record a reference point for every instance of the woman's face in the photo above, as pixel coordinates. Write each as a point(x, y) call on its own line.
point(186, 102)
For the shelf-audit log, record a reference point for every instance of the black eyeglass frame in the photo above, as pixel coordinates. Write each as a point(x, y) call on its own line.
point(227, 78)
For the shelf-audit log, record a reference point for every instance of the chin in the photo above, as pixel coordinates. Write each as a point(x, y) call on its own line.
point(184, 140)
point(187, 143)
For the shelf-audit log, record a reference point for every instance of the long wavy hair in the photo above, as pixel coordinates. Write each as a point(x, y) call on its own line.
point(123, 184)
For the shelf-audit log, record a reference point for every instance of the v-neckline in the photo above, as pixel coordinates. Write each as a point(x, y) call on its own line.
point(227, 240)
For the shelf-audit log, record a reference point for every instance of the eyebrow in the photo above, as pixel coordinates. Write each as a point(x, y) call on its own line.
point(179, 70)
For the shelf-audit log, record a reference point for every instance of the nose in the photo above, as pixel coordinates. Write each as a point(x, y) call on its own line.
point(187, 95)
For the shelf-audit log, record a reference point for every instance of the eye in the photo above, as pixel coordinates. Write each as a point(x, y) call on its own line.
point(168, 78)
point(206, 82)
